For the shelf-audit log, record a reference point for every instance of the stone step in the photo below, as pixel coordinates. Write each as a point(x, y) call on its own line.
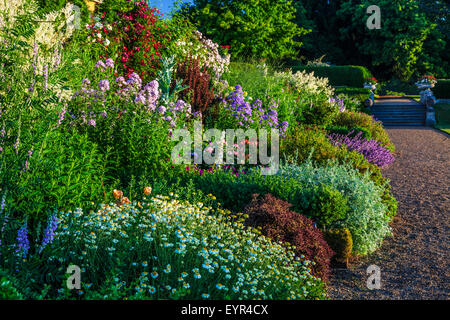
point(398, 108)
point(393, 124)
point(401, 120)
point(422, 114)
point(398, 112)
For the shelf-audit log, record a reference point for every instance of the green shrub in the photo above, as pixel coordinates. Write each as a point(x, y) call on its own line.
point(365, 133)
point(303, 143)
point(8, 291)
point(442, 89)
point(328, 205)
point(319, 112)
point(352, 120)
point(340, 241)
point(367, 217)
point(350, 76)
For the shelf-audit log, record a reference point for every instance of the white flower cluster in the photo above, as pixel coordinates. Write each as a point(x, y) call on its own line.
point(9, 10)
point(56, 27)
point(306, 83)
point(207, 52)
point(52, 31)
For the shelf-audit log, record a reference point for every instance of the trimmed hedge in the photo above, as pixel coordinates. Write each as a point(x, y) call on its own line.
point(350, 76)
point(442, 89)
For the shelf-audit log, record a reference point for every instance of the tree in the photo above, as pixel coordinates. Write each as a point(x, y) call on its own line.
point(395, 48)
point(407, 43)
point(252, 28)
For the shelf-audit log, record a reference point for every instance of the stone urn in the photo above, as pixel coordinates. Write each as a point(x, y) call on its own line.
point(372, 88)
point(426, 95)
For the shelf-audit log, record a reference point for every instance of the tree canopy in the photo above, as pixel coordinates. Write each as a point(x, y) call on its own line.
point(413, 37)
point(252, 28)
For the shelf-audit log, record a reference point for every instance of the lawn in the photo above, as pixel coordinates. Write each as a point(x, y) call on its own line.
point(442, 117)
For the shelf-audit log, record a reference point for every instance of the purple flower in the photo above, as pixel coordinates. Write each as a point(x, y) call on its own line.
point(45, 74)
point(91, 122)
point(109, 63)
point(162, 110)
point(49, 232)
point(61, 116)
point(100, 64)
point(103, 85)
point(372, 150)
point(23, 244)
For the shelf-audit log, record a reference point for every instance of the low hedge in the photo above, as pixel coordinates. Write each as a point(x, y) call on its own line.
point(350, 76)
point(442, 89)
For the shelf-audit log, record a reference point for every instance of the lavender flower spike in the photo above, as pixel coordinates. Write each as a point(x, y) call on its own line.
point(23, 244)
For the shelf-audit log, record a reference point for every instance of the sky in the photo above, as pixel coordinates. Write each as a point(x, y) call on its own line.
point(164, 5)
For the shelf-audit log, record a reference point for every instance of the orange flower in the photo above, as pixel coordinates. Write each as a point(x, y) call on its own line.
point(117, 194)
point(147, 190)
point(125, 200)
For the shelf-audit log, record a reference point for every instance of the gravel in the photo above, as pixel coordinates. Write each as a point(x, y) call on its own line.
point(415, 262)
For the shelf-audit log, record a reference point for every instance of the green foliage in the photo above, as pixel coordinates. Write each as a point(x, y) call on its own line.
point(305, 143)
point(340, 241)
point(366, 217)
point(442, 89)
point(442, 116)
point(329, 205)
point(352, 120)
point(351, 76)
point(399, 86)
point(353, 98)
point(320, 113)
point(258, 29)
point(366, 134)
point(65, 171)
point(141, 250)
point(403, 32)
point(8, 287)
point(413, 38)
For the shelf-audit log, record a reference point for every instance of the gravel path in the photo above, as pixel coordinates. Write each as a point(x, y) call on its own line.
point(415, 262)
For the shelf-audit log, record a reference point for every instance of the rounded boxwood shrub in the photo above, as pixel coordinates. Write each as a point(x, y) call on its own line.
point(328, 205)
point(279, 223)
point(340, 241)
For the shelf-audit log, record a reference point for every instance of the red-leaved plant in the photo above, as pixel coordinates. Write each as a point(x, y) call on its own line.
point(198, 80)
point(279, 223)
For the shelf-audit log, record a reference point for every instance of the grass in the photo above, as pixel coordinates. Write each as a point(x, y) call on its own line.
point(442, 117)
